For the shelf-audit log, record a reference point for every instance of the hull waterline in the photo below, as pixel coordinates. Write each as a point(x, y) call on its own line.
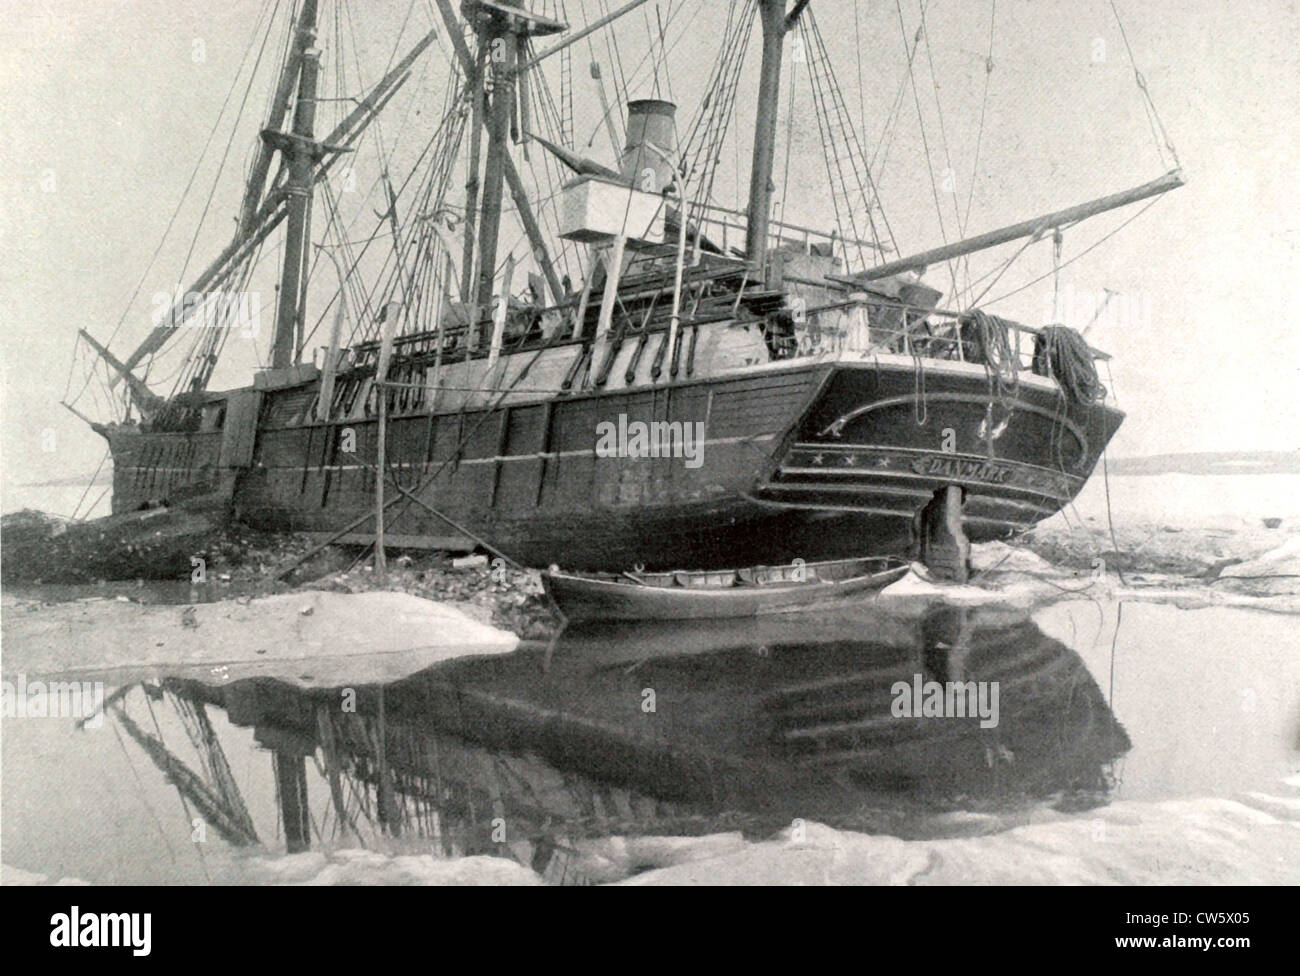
point(816, 460)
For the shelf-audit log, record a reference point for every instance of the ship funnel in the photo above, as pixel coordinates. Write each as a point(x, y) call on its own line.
point(651, 136)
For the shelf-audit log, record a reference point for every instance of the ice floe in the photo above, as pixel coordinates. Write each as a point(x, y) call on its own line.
point(310, 638)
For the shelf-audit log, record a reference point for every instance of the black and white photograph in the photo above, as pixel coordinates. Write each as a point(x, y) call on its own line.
point(651, 442)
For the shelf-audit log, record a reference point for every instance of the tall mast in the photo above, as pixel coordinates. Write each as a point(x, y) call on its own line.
point(270, 212)
point(302, 152)
point(775, 26)
point(467, 282)
point(499, 25)
point(497, 39)
point(275, 121)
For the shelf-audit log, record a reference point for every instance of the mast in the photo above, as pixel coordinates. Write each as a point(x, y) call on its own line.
point(144, 397)
point(501, 50)
point(775, 26)
point(270, 214)
point(302, 153)
point(506, 19)
point(262, 163)
point(471, 183)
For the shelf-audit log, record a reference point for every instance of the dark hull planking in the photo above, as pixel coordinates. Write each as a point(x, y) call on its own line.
point(813, 460)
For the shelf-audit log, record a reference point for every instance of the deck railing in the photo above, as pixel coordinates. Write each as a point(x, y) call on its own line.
point(715, 223)
point(925, 333)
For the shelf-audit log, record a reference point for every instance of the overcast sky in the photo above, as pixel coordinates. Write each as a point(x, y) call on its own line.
point(106, 104)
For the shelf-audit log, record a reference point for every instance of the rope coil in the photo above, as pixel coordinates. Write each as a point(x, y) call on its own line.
point(1064, 355)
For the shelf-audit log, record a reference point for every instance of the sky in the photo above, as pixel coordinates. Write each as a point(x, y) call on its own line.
point(107, 104)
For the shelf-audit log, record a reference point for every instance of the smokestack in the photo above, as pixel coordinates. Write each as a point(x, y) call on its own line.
point(650, 122)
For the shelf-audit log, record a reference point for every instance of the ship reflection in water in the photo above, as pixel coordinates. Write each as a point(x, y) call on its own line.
point(648, 730)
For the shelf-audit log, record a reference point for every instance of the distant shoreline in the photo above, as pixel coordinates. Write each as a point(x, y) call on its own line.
point(1209, 462)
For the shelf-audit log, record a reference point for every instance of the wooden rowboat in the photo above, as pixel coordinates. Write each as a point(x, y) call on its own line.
point(708, 594)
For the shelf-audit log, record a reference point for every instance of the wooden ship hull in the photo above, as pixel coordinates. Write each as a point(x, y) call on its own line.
point(775, 481)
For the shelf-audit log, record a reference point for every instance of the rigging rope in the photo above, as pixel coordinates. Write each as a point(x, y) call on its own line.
point(566, 85)
point(640, 66)
point(239, 114)
point(789, 134)
point(938, 107)
point(135, 293)
point(886, 141)
point(986, 339)
point(1153, 116)
point(984, 103)
point(1061, 353)
point(925, 141)
point(829, 99)
point(1090, 247)
point(454, 119)
point(709, 127)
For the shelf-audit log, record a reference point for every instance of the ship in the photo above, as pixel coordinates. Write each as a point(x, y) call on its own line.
point(751, 729)
point(708, 386)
